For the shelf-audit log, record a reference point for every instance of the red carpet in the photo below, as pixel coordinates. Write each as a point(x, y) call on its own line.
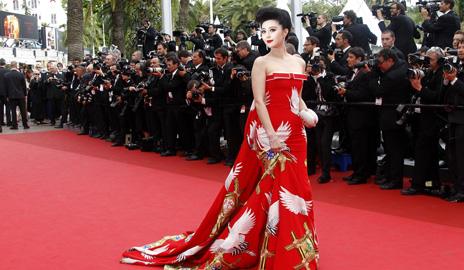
point(71, 202)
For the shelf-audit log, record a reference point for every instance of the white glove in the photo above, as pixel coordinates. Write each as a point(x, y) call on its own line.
point(309, 118)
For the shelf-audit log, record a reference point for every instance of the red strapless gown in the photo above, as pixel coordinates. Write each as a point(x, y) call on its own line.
point(262, 217)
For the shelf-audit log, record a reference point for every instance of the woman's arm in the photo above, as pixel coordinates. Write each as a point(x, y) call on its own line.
point(258, 81)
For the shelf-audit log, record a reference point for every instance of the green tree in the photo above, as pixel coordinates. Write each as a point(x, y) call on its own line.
point(328, 8)
point(236, 13)
point(75, 26)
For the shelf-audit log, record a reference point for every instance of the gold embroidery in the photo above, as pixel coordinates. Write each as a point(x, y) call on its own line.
point(270, 161)
point(305, 247)
point(218, 263)
point(228, 207)
point(264, 252)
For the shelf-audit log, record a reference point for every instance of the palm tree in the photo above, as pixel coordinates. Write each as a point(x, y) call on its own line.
point(75, 29)
point(117, 23)
point(237, 13)
point(183, 14)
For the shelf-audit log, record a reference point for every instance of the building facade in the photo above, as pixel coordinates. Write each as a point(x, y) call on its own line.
point(48, 12)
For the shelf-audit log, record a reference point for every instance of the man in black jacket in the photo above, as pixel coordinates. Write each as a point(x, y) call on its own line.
point(391, 86)
point(3, 91)
point(454, 96)
point(150, 35)
point(444, 27)
point(322, 31)
point(212, 40)
point(338, 57)
point(362, 36)
point(16, 93)
point(388, 42)
point(174, 85)
point(403, 27)
point(360, 119)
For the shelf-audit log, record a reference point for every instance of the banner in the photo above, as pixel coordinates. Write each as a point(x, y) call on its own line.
point(17, 26)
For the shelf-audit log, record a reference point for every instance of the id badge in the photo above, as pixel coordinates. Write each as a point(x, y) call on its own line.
point(170, 95)
point(242, 109)
point(378, 101)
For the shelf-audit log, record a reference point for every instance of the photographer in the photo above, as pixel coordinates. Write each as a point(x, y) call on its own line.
point(427, 124)
point(161, 52)
point(256, 41)
point(37, 98)
point(337, 57)
point(197, 39)
point(212, 40)
point(55, 95)
point(443, 28)
point(16, 94)
point(321, 30)
point(388, 42)
point(362, 36)
point(241, 78)
point(403, 27)
point(148, 37)
point(194, 100)
point(122, 100)
point(454, 96)
point(174, 85)
point(310, 48)
point(320, 85)
point(156, 104)
point(361, 120)
point(389, 84)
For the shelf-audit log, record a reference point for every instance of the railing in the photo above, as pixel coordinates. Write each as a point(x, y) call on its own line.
point(32, 56)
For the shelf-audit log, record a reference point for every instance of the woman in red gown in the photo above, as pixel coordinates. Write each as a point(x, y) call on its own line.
point(262, 217)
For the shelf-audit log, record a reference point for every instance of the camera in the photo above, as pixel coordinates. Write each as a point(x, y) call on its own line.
point(385, 9)
point(450, 63)
point(371, 63)
point(341, 81)
point(312, 18)
point(251, 24)
point(415, 73)
point(203, 76)
point(415, 59)
point(154, 69)
point(315, 64)
point(432, 6)
point(242, 71)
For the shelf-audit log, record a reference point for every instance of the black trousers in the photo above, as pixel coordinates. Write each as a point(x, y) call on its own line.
point(395, 143)
point(231, 121)
point(200, 134)
point(177, 124)
point(161, 130)
point(214, 126)
point(4, 110)
point(363, 151)
point(325, 129)
point(311, 150)
point(21, 103)
point(455, 149)
point(426, 157)
point(54, 107)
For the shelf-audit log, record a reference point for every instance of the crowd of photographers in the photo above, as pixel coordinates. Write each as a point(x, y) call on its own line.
point(165, 98)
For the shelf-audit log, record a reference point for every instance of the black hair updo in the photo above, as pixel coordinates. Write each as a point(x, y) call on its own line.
point(272, 13)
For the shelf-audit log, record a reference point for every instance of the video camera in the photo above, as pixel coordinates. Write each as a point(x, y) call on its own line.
point(251, 24)
point(242, 71)
point(419, 61)
point(385, 9)
point(432, 6)
point(450, 63)
point(312, 18)
point(371, 62)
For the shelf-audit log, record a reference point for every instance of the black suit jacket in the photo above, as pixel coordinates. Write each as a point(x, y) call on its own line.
point(16, 85)
point(405, 32)
point(338, 66)
point(443, 29)
point(324, 35)
point(454, 95)
point(394, 88)
point(174, 88)
point(357, 90)
point(3, 89)
point(362, 36)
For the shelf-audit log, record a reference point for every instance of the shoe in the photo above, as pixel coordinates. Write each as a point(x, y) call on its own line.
point(13, 128)
point(59, 126)
point(2, 124)
point(187, 153)
point(324, 179)
point(212, 161)
point(83, 133)
point(229, 163)
point(391, 185)
point(108, 139)
point(357, 181)
point(193, 157)
point(116, 144)
point(347, 178)
point(168, 153)
point(26, 127)
point(411, 191)
point(457, 198)
point(96, 135)
point(8, 124)
point(380, 181)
